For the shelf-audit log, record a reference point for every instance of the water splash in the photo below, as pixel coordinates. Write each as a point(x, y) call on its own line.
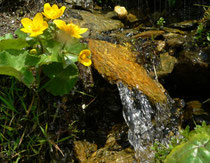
point(147, 122)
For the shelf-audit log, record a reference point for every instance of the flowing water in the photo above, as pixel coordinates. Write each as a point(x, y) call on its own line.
point(147, 122)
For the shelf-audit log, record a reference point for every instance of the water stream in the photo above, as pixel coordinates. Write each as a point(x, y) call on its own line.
point(147, 122)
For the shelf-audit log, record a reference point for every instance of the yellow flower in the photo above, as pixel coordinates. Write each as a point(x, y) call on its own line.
point(71, 29)
point(83, 57)
point(53, 12)
point(35, 27)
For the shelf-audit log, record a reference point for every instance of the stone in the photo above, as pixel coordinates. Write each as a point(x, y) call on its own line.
point(185, 25)
point(83, 150)
point(87, 4)
point(160, 45)
point(149, 34)
point(167, 64)
point(118, 64)
point(95, 22)
point(132, 18)
point(121, 11)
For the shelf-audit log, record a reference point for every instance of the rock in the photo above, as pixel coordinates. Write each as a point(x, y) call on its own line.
point(132, 18)
point(167, 64)
point(149, 34)
point(118, 64)
point(108, 156)
point(186, 25)
point(196, 57)
point(86, 4)
point(121, 11)
point(160, 45)
point(96, 23)
point(175, 42)
point(113, 151)
point(83, 150)
point(173, 30)
point(194, 112)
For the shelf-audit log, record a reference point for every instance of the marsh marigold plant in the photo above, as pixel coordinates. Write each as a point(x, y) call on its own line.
point(35, 27)
point(53, 12)
point(53, 54)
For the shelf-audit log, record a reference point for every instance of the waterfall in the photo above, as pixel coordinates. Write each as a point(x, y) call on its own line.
point(147, 122)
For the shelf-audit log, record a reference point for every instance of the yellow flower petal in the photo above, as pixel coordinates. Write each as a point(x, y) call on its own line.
point(55, 7)
point(25, 30)
point(38, 19)
point(83, 30)
point(35, 27)
point(83, 57)
point(44, 25)
point(60, 24)
point(53, 12)
point(86, 62)
point(62, 9)
point(26, 22)
point(34, 34)
point(47, 7)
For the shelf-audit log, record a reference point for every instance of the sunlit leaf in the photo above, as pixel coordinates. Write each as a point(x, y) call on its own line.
point(195, 150)
point(12, 63)
point(17, 44)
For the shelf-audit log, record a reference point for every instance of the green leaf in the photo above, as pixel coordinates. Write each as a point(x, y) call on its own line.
point(6, 36)
point(72, 57)
point(32, 60)
point(17, 44)
point(75, 47)
point(62, 80)
point(195, 150)
point(54, 48)
point(12, 63)
point(20, 34)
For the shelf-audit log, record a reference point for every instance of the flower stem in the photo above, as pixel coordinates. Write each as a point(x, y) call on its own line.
point(40, 42)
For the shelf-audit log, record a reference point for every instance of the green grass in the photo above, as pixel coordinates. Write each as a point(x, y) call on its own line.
point(24, 124)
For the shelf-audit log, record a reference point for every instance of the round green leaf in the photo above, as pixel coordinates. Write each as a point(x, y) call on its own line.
point(195, 150)
point(12, 63)
point(61, 80)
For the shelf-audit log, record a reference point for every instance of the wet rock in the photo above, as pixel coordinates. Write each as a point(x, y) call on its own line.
point(185, 25)
point(107, 156)
point(175, 42)
point(86, 4)
point(149, 34)
point(167, 64)
point(160, 45)
point(196, 57)
point(95, 22)
point(83, 150)
point(173, 31)
point(118, 64)
point(114, 151)
point(194, 112)
point(190, 77)
point(131, 18)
